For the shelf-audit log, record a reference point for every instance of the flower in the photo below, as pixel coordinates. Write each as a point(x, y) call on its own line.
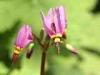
point(24, 38)
point(55, 23)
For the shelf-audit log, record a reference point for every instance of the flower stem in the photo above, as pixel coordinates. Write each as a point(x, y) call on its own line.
point(43, 63)
point(44, 47)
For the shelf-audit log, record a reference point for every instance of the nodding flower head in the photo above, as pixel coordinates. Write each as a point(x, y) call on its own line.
point(24, 38)
point(55, 23)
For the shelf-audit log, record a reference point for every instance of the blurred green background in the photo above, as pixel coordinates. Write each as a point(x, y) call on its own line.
point(83, 17)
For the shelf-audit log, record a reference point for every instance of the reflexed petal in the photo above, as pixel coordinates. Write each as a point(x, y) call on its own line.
point(20, 36)
point(24, 36)
point(29, 36)
point(62, 18)
point(50, 13)
point(47, 24)
point(57, 21)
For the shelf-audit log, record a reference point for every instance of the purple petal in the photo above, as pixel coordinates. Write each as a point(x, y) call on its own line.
point(21, 31)
point(23, 36)
point(50, 13)
point(57, 21)
point(47, 23)
point(62, 18)
point(29, 36)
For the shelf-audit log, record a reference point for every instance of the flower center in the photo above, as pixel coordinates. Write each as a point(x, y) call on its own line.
point(57, 38)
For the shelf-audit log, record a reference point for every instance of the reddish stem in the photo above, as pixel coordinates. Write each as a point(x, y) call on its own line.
point(43, 63)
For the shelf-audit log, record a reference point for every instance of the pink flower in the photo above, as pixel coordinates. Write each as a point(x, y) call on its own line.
point(24, 38)
point(55, 23)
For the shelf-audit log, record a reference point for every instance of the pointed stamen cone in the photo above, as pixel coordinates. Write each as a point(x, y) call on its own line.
point(74, 51)
point(70, 47)
point(15, 58)
point(58, 47)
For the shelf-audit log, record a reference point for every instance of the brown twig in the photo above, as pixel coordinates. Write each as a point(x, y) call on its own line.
point(43, 63)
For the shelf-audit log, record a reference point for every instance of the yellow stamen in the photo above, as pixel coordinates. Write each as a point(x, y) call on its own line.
point(57, 40)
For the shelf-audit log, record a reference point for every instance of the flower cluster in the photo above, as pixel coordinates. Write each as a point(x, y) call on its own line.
point(54, 25)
